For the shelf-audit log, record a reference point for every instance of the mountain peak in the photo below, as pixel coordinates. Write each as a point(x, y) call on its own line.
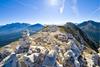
point(37, 24)
point(92, 29)
point(90, 22)
point(71, 25)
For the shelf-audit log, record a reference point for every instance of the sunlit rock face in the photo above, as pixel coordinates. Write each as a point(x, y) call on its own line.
point(50, 59)
point(51, 47)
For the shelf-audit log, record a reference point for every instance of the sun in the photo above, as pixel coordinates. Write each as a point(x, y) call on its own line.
point(53, 2)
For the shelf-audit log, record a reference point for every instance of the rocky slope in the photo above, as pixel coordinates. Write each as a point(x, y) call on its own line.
point(80, 35)
point(53, 46)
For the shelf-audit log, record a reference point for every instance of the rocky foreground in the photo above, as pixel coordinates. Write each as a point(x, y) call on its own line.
point(50, 47)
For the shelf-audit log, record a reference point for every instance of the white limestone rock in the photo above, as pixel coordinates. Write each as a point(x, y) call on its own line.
point(50, 59)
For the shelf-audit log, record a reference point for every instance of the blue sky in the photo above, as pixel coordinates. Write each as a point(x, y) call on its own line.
point(49, 11)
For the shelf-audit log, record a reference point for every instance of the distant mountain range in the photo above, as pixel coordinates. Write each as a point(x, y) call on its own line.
point(12, 32)
point(92, 29)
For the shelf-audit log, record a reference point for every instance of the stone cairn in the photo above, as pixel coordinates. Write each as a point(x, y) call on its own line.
point(24, 43)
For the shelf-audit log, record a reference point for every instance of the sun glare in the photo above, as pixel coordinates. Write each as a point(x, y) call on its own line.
point(53, 2)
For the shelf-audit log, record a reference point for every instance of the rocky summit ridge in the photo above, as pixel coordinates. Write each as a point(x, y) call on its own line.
point(53, 46)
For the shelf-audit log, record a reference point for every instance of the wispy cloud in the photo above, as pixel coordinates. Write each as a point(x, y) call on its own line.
point(98, 9)
point(95, 11)
point(75, 8)
point(62, 7)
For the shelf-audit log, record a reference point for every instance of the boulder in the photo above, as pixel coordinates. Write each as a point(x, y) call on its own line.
point(12, 61)
point(50, 59)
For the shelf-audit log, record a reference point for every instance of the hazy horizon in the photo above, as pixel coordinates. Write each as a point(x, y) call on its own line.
point(49, 11)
